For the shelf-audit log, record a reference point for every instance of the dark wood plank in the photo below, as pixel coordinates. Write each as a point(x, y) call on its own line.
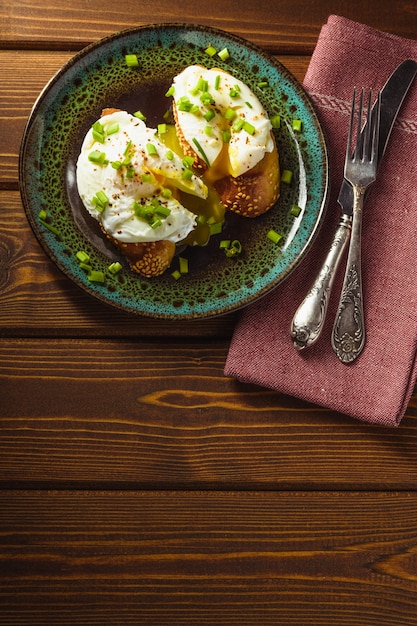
point(235, 559)
point(284, 27)
point(129, 413)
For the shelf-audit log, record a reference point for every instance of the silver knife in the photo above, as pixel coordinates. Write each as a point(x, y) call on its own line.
point(309, 318)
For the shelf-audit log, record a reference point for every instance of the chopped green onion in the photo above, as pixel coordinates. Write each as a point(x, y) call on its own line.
point(211, 51)
point(274, 236)
point(202, 84)
point(217, 82)
point(42, 214)
point(155, 223)
point(201, 151)
point(169, 155)
point(263, 83)
point(130, 173)
point(235, 92)
point(234, 249)
point(115, 267)
point(131, 60)
point(176, 274)
point(86, 267)
point(249, 128)
point(286, 177)
point(297, 125)
point(206, 98)
point(97, 157)
point(187, 174)
point(140, 116)
point(183, 263)
point(162, 129)
point(226, 136)
point(116, 165)
point(162, 211)
point(224, 54)
point(167, 193)
point(97, 136)
point(82, 256)
point(225, 244)
point(170, 92)
point(276, 121)
point(188, 161)
point(295, 210)
point(151, 149)
point(238, 125)
point(208, 130)
point(146, 178)
point(113, 128)
point(50, 227)
point(96, 276)
point(230, 114)
point(208, 116)
point(216, 228)
point(248, 104)
point(184, 104)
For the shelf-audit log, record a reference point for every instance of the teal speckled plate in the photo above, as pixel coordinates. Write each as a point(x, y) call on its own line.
point(98, 77)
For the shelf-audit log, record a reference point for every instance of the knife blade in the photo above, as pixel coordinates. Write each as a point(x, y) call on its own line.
point(309, 318)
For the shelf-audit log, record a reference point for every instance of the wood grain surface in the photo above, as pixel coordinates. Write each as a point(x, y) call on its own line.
point(138, 484)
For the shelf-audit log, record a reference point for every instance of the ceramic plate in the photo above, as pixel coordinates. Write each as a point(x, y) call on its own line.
point(99, 77)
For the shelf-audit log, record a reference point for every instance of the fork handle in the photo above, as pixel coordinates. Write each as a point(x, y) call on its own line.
point(309, 318)
point(348, 336)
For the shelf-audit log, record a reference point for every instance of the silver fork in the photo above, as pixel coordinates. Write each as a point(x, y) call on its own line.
point(348, 336)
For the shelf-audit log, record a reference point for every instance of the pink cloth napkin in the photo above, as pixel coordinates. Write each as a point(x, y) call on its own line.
point(377, 386)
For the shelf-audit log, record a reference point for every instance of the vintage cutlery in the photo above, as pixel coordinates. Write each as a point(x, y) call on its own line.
point(309, 318)
point(348, 337)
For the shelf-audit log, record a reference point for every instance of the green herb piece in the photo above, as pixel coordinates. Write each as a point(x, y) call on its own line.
point(201, 151)
point(183, 264)
point(208, 115)
point(238, 125)
point(50, 227)
point(146, 178)
point(274, 236)
point(151, 149)
point(167, 193)
point(208, 130)
point(162, 210)
point(224, 54)
point(176, 275)
point(97, 157)
point(184, 104)
point(227, 136)
point(96, 276)
point(225, 244)
point(230, 114)
point(202, 84)
point(82, 256)
point(130, 173)
point(42, 214)
point(140, 116)
point(162, 129)
point(286, 177)
point(169, 155)
point(276, 121)
point(248, 104)
point(98, 132)
point(187, 174)
point(86, 267)
point(211, 51)
point(297, 125)
point(235, 92)
point(217, 82)
point(234, 249)
point(216, 228)
point(206, 98)
point(170, 92)
point(155, 223)
point(249, 128)
point(100, 201)
point(113, 128)
point(116, 165)
point(188, 161)
point(131, 60)
point(115, 267)
point(262, 84)
point(295, 210)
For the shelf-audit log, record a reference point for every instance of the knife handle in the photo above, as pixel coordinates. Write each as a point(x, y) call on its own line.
point(309, 318)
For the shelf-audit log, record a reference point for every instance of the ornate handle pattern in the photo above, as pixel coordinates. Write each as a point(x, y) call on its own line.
point(348, 336)
point(309, 318)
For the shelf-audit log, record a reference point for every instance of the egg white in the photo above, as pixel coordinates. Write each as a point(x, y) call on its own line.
point(119, 218)
point(245, 150)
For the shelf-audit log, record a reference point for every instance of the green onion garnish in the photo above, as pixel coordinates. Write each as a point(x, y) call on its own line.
point(169, 155)
point(216, 228)
point(238, 125)
point(162, 129)
point(217, 82)
point(96, 276)
point(226, 136)
point(201, 151)
point(97, 157)
point(176, 274)
point(187, 174)
point(276, 121)
point(167, 193)
point(224, 54)
point(131, 60)
point(249, 128)
point(183, 264)
point(297, 125)
point(115, 267)
point(211, 51)
point(130, 173)
point(146, 178)
point(208, 116)
point(151, 149)
point(233, 249)
point(82, 256)
point(274, 236)
point(113, 128)
point(286, 177)
point(295, 210)
point(263, 83)
point(188, 161)
point(116, 165)
point(230, 114)
point(170, 91)
point(140, 116)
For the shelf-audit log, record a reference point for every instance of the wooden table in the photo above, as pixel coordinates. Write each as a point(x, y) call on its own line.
point(138, 484)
